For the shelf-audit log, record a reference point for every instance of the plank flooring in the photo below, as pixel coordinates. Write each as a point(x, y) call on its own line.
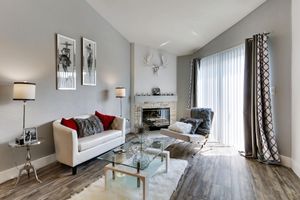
point(217, 172)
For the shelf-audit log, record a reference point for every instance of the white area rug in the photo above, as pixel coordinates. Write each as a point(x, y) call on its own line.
point(161, 186)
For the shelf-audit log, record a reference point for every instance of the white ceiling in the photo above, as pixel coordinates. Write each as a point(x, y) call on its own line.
point(177, 26)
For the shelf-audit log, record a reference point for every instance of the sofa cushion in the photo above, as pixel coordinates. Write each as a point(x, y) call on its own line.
point(97, 139)
point(89, 126)
point(70, 123)
point(106, 120)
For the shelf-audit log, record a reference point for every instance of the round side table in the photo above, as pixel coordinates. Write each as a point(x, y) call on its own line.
point(27, 166)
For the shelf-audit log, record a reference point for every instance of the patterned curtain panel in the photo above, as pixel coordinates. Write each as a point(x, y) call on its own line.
point(260, 139)
point(194, 72)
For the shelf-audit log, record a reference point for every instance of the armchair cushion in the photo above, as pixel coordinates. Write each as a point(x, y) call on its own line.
point(194, 122)
point(89, 126)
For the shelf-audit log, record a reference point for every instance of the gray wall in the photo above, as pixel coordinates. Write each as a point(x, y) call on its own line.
point(295, 86)
point(183, 79)
point(27, 52)
point(274, 16)
point(144, 79)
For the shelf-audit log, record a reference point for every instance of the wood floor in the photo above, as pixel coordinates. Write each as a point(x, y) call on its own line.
point(217, 172)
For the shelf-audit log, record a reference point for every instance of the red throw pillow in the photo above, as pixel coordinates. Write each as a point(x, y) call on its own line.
point(105, 119)
point(69, 123)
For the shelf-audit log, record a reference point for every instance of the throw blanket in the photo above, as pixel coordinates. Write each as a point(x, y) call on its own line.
point(206, 115)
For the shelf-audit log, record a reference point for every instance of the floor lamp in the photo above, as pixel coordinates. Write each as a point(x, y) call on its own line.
point(24, 91)
point(120, 93)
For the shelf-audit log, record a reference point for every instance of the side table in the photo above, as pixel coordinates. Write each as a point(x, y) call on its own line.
point(27, 166)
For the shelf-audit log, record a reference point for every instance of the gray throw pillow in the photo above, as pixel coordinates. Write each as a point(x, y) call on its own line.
point(89, 126)
point(194, 122)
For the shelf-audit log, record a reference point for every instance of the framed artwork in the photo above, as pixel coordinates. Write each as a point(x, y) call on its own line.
point(65, 62)
point(30, 135)
point(88, 60)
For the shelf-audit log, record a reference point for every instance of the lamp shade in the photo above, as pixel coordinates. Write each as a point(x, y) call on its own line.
point(24, 91)
point(120, 92)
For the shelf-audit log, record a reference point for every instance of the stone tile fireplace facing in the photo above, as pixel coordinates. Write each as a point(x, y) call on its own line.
point(160, 114)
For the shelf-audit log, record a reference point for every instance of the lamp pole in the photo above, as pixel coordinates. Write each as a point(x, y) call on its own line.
point(120, 93)
point(24, 111)
point(121, 108)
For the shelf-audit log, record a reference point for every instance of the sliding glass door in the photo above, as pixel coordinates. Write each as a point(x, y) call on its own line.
point(220, 87)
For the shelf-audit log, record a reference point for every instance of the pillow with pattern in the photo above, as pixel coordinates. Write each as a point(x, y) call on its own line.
point(194, 122)
point(89, 126)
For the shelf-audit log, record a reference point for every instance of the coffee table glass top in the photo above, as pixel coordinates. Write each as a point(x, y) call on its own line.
point(137, 153)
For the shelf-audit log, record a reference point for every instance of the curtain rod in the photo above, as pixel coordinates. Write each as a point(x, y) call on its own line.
point(266, 33)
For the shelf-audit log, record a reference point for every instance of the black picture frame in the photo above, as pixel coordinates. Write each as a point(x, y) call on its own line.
point(88, 62)
point(30, 135)
point(65, 63)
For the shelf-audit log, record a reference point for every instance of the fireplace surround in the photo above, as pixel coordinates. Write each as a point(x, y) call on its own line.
point(142, 105)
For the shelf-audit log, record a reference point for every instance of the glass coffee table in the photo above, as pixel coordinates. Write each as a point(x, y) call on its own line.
point(139, 158)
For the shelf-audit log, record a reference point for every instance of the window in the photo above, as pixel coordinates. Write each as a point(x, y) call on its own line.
point(220, 87)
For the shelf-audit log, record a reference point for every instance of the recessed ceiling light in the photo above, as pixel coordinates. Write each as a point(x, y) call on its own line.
point(195, 33)
point(164, 43)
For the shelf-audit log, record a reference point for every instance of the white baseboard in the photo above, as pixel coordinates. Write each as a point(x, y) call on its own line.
point(286, 161)
point(296, 167)
point(14, 172)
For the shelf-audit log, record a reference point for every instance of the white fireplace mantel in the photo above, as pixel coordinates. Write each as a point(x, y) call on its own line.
point(145, 99)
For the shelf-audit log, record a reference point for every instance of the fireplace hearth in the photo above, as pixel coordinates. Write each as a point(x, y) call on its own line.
point(156, 118)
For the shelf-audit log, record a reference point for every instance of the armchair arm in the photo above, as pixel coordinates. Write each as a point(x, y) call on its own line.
point(119, 124)
point(66, 144)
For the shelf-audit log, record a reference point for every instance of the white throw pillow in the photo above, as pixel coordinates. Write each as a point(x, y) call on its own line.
point(181, 127)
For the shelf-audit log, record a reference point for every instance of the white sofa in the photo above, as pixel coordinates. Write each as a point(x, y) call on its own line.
point(71, 150)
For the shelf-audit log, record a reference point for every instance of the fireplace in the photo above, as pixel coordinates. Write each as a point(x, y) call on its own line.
point(156, 118)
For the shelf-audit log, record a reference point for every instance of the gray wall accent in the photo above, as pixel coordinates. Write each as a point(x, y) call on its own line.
point(27, 52)
point(145, 79)
point(183, 80)
point(273, 16)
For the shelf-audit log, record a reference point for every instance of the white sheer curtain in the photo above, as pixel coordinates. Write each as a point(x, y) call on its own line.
point(220, 87)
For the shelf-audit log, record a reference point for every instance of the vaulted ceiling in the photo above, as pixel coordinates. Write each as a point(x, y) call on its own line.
point(177, 26)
